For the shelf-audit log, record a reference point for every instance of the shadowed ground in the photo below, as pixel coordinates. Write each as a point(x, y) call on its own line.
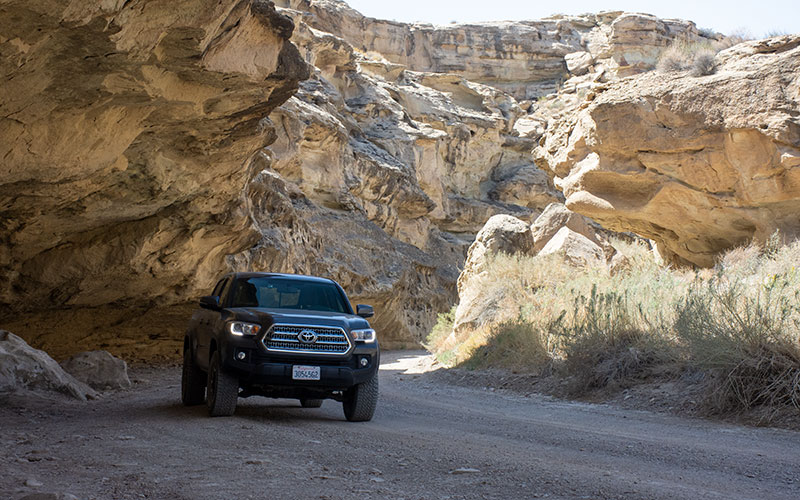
point(142, 443)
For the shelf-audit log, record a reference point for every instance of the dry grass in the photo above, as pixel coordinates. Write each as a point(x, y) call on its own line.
point(742, 326)
point(738, 323)
point(697, 58)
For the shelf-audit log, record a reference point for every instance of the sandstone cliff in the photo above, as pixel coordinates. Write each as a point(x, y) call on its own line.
point(527, 59)
point(698, 164)
point(381, 176)
point(149, 147)
point(127, 130)
point(405, 142)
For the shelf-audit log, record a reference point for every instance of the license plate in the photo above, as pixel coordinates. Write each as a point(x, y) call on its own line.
point(300, 372)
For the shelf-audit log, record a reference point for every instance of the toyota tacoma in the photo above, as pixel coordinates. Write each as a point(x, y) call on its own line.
point(280, 336)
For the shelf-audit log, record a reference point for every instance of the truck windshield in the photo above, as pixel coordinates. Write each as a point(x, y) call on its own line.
point(287, 293)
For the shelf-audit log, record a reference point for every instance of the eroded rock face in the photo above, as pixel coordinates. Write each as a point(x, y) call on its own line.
point(380, 178)
point(527, 59)
point(136, 168)
point(698, 164)
point(126, 132)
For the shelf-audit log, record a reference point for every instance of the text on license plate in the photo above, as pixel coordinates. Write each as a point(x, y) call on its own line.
point(300, 372)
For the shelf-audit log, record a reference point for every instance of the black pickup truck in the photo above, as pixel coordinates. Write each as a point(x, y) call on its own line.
point(280, 336)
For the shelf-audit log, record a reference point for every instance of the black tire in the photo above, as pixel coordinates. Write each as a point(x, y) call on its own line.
point(223, 389)
point(193, 381)
point(310, 403)
point(360, 401)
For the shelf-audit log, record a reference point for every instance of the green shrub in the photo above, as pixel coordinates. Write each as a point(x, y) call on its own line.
point(438, 336)
point(442, 329)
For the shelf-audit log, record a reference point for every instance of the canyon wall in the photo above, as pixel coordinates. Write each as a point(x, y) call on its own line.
point(381, 176)
point(408, 138)
point(127, 130)
point(149, 147)
point(699, 164)
point(527, 59)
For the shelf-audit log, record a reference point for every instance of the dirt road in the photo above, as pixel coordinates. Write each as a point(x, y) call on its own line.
point(429, 440)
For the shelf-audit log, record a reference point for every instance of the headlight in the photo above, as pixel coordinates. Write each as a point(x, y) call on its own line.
point(365, 335)
point(241, 328)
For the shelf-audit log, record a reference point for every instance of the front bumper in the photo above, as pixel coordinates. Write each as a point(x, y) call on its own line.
point(261, 368)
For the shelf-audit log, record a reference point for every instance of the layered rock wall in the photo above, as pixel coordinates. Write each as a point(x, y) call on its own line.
point(381, 176)
point(127, 129)
point(698, 164)
point(150, 146)
point(528, 59)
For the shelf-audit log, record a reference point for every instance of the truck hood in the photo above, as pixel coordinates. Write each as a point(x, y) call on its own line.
point(267, 317)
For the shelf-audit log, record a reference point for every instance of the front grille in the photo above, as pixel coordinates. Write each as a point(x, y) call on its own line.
point(285, 338)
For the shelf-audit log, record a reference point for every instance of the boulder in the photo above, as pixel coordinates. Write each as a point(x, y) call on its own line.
point(25, 368)
point(98, 369)
point(576, 248)
point(555, 217)
point(502, 233)
point(578, 63)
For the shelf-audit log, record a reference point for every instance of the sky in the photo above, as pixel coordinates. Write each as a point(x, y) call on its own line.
point(755, 17)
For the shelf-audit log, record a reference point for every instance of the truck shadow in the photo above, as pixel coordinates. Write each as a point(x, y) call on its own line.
point(266, 410)
point(256, 409)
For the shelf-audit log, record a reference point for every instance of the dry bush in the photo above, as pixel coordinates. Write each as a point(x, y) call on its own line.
point(517, 281)
point(738, 323)
point(703, 63)
point(516, 344)
point(695, 57)
point(674, 59)
point(607, 340)
point(775, 32)
point(743, 327)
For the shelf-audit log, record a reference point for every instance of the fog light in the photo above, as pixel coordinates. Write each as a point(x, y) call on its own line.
point(241, 355)
point(364, 362)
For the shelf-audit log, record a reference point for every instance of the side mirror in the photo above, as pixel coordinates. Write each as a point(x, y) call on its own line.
point(365, 311)
point(210, 302)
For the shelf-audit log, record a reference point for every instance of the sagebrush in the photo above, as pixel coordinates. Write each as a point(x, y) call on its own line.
point(739, 324)
point(696, 57)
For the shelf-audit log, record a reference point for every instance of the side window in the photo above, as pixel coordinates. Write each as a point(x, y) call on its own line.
point(223, 295)
point(218, 288)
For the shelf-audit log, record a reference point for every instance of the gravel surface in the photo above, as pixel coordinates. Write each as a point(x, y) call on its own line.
point(429, 439)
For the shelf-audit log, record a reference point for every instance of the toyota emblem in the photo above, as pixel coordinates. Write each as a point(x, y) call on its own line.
point(307, 336)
